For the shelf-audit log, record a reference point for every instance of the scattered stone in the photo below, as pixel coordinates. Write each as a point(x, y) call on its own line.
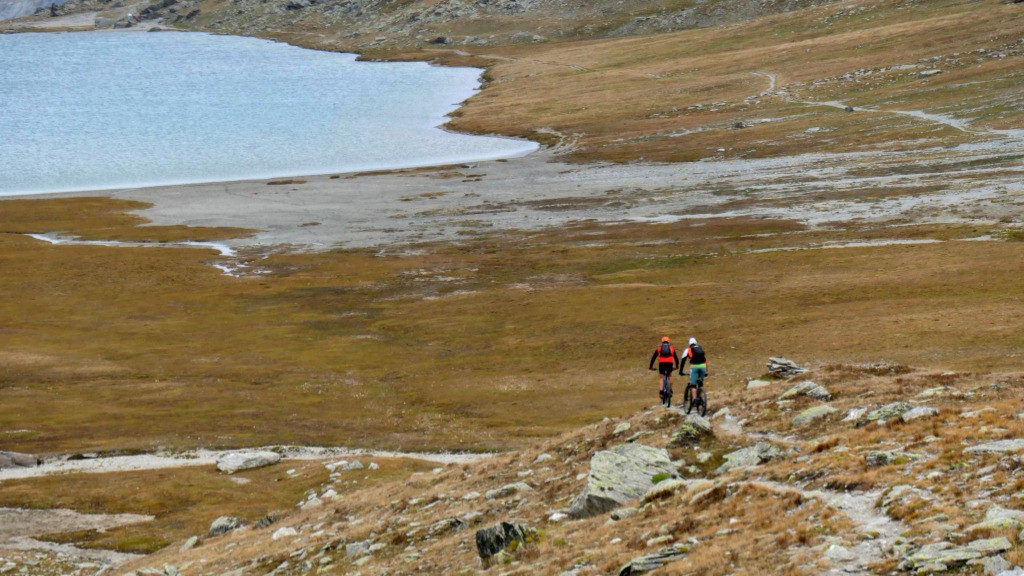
point(694, 428)
point(887, 412)
point(558, 517)
point(759, 453)
point(620, 475)
point(622, 428)
point(189, 544)
point(929, 73)
point(238, 461)
point(503, 537)
point(285, 532)
point(809, 389)
point(783, 368)
point(839, 554)
point(953, 557)
point(544, 457)
point(508, 490)
point(353, 465)
point(225, 524)
point(813, 414)
point(919, 412)
point(757, 383)
point(855, 414)
point(373, 466)
point(878, 458)
point(651, 562)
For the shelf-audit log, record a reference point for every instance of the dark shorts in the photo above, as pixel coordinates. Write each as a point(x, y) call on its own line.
point(666, 368)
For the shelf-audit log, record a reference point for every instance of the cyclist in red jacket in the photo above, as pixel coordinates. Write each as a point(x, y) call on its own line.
point(668, 362)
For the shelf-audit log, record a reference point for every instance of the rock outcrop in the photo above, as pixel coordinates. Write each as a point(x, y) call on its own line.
point(809, 389)
point(238, 461)
point(783, 368)
point(504, 537)
point(618, 476)
point(693, 430)
point(759, 453)
point(18, 460)
point(813, 414)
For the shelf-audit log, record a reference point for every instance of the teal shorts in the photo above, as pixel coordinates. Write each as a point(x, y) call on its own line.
point(698, 372)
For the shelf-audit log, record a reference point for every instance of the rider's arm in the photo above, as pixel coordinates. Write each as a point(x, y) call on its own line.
point(653, 358)
point(682, 362)
point(675, 357)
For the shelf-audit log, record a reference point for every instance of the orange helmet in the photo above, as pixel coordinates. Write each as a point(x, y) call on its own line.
point(664, 339)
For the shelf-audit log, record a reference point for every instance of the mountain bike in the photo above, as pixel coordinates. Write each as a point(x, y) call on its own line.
point(700, 402)
point(666, 391)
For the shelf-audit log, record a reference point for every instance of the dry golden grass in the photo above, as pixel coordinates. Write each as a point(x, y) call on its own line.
point(350, 348)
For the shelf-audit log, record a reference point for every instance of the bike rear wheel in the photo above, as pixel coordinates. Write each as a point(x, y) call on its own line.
point(702, 398)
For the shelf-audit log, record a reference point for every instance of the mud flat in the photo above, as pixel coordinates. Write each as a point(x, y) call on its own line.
point(539, 191)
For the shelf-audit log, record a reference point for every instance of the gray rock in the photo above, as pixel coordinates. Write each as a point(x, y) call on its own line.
point(622, 428)
point(238, 461)
point(445, 526)
point(503, 537)
point(809, 389)
point(225, 524)
point(919, 412)
point(759, 453)
point(508, 490)
point(999, 518)
point(189, 544)
point(887, 412)
point(783, 368)
point(618, 476)
point(994, 565)
point(651, 562)
point(18, 460)
point(997, 447)
point(813, 414)
point(953, 557)
point(757, 383)
point(878, 458)
point(353, 465)
point(694, 428)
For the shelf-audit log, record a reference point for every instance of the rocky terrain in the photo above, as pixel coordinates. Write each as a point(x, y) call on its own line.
point(392, 23)
point(836, 470)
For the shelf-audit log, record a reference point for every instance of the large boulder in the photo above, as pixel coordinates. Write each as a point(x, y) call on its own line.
point(225, 524)
point(813, 414)
point(918, 413)
point(503, 537)
point(759, 453)
point(809, 389)
point(694, 428)
point(238, 461)
point(18, 460)
point(618, 476)
point(887, 412)
point(651, 562)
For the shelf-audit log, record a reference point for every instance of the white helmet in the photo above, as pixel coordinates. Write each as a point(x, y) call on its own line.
point(693, 341)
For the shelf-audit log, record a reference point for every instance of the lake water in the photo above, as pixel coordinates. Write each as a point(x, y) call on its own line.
point(87, 111)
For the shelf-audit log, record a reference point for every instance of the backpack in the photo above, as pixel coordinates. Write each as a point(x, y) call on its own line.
point(698, 355)
point(666, 350)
